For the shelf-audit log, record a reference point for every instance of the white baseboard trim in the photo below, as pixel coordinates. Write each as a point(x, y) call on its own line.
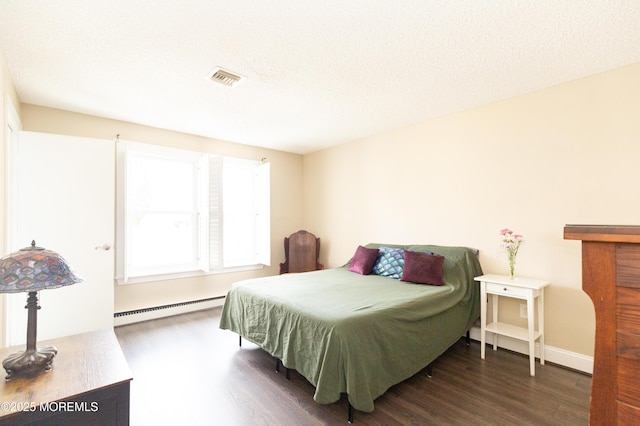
point(552, 354)
point(145, 314)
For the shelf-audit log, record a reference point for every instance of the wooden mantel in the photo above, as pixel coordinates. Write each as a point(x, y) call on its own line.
point(611, 278)
point(603, 233)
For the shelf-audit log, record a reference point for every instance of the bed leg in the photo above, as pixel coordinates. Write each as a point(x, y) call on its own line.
point(468, 338)
point(286, 373)
point(349, 412)
point(430, 370)
point(240, 341)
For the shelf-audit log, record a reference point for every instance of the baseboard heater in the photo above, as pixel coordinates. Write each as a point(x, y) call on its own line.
point(145, 314)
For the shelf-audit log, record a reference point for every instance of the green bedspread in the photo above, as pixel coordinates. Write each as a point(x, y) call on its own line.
point(355, 334)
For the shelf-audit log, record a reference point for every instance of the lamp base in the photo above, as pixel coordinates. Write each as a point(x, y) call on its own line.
point(30, 362)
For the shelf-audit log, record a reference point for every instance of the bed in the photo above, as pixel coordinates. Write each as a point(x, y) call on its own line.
point(356, 333)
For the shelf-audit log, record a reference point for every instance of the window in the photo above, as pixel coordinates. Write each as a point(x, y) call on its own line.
point(183, 213)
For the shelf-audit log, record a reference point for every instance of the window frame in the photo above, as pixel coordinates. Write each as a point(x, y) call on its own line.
point(203, 268)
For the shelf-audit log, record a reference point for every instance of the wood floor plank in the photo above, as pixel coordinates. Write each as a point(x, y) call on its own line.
point(187, 371)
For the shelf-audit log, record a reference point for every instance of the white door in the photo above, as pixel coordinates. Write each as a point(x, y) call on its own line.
point(65, 202)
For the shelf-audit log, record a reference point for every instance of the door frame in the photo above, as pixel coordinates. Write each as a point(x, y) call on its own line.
point(12, 129)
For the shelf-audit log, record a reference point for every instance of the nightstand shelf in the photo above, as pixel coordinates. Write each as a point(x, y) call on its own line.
point(510, 330)
point(519, 288)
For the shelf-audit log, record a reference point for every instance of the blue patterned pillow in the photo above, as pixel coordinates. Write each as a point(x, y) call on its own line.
point(389, 263)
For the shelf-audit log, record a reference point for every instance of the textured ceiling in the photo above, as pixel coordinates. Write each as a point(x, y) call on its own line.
point(318, 73)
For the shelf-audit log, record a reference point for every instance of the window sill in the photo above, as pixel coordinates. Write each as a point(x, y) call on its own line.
point(186, 274)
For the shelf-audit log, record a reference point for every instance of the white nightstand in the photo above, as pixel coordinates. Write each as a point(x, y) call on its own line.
point(520, 288)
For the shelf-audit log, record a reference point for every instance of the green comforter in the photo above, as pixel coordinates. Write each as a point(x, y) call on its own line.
point(355, 334)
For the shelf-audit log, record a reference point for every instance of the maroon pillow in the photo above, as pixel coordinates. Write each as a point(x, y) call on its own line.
point(422, 268)
point(363, 260)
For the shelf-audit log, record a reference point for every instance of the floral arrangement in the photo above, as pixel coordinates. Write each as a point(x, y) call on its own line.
point(511, 243)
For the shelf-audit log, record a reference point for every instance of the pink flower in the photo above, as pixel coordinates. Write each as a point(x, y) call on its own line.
point(511, 243)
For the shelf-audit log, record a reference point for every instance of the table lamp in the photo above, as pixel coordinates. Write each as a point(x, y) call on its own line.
point(29, 270)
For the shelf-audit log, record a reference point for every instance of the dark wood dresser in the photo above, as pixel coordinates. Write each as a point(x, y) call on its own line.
point(88, 384)
point(611, 278)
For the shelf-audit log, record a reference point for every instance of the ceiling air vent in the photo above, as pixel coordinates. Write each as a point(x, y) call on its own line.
point(225, 77)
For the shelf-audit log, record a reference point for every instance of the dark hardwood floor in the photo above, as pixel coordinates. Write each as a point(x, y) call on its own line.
point(186, 371)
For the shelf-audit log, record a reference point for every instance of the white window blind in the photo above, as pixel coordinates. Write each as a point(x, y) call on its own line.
point(263, 213)
point(215, 212)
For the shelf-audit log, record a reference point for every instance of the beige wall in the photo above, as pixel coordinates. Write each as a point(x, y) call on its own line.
point(286, 197)
point(567, 154)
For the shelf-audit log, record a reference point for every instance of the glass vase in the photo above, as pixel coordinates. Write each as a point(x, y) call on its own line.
point(512, 265)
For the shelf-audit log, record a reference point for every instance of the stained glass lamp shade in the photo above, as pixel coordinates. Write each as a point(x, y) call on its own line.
point(30, 270)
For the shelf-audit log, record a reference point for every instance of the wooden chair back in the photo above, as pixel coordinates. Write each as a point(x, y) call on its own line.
point(301, 251)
